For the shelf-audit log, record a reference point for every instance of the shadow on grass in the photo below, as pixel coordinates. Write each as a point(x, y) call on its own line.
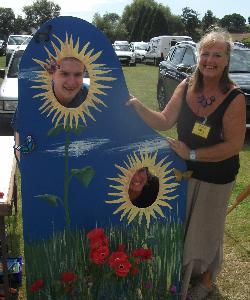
point(215, 295)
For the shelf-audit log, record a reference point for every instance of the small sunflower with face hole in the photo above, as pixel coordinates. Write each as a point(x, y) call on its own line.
point(167, 186)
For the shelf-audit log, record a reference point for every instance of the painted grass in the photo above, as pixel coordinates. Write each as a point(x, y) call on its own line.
point(69, 252)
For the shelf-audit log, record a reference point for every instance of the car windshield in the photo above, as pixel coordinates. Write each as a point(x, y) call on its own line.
point(17, 40)
point(141, 46)
point(240, 61)
point(14, 67)
point(122, 47)
point(27, 40)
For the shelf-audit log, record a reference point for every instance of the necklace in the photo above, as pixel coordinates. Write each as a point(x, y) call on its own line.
point(205, 101)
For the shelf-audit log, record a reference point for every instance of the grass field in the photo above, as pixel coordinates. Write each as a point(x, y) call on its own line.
point(233, 281)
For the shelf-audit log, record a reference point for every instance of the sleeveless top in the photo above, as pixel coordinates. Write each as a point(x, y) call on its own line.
point(220, 172)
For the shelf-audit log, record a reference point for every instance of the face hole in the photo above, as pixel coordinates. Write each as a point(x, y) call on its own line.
point(69, 82)
point(143, 188)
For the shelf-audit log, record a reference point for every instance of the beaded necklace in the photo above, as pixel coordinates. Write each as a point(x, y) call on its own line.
point(206, 101)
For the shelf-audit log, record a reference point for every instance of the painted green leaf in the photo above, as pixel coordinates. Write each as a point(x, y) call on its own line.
point(56, 130)
point(51, 199)
point(78, 130)
point(84, 175)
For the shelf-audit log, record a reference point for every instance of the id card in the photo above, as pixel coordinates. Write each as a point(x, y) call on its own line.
point(201, 130)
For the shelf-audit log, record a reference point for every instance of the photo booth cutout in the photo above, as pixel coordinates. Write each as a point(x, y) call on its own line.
point(77, 171)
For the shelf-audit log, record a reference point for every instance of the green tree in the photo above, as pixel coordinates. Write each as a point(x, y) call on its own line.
point(191, 22)
point(147, 18)
point(40, 12)
point(110, 24)
point(137, 30)
point(20, 25)
point(7, 19)
point(159, 25)
point(208, 20)
point(176, 26)
point(234, 23)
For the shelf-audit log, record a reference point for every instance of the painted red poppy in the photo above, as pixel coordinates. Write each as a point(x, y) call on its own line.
point(134, 271)
point(144, 254)
point(95, 243)
point(37, 285)
point(116, 258)
point(122, 269)
point(100, 255)
point(97, 233)
point(68, 277)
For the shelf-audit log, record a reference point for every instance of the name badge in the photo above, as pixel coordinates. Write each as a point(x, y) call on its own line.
point(201, 130)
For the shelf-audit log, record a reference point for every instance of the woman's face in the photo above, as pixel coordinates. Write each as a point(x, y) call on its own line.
point(138, 181)
point(213, 60)
point(68, 80)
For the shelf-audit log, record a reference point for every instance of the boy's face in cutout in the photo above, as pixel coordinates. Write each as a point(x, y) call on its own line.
point(68, 79)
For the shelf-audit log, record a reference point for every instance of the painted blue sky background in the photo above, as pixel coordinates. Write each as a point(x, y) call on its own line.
point(86, 9)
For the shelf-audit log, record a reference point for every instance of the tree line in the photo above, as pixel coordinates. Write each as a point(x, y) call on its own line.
point(140, 21)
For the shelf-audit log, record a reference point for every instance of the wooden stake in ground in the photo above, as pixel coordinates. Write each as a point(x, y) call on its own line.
point(243, 195)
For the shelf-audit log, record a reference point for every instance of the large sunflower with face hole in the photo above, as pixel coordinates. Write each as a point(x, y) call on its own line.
point(98, 73)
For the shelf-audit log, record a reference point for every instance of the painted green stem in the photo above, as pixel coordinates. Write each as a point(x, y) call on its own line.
point(67, 179)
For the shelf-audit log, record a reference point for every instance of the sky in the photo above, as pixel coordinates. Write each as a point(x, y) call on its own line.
point(85, 9)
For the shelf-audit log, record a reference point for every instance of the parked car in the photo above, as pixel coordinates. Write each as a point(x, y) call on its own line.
point(240, 45)
point(3, 46)
point(9, 86)
point(121, 43)
point(181, 62)
point(186, 42)
point(140, 49)
point(159, 47)
point(14, 41)
point(125, 55)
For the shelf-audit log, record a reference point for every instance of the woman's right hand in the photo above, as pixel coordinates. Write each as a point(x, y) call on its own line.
point(132, 101)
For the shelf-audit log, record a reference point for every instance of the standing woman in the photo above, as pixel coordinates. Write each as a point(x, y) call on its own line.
point(210, 113)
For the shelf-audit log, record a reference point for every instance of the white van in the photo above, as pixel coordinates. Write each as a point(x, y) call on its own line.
point(140, 49)
point(160, 45)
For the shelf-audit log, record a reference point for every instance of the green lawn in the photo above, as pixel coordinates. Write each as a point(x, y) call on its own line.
point(233, 282)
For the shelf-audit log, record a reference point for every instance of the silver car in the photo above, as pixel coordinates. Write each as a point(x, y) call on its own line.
point(9, 86)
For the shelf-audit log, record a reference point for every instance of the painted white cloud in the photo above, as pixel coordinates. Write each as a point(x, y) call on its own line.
point(78, 148)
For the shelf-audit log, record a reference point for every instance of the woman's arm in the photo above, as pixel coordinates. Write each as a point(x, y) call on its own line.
point(160, 120)
point(234, 127)
point(17, 143)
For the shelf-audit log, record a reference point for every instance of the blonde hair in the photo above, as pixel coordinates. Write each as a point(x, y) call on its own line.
point(209, 39)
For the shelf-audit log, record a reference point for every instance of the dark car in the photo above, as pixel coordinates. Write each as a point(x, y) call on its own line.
point(180, 63)
point(3, 46)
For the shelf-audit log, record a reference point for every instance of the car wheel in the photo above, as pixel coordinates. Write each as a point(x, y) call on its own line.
point(155, 62)
point(161, 96)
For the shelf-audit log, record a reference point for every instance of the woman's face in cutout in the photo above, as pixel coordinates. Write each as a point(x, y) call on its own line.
point(139, 180)
point(68, 79)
